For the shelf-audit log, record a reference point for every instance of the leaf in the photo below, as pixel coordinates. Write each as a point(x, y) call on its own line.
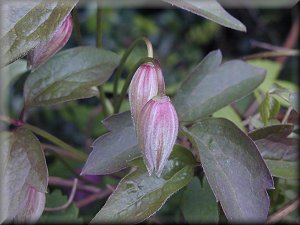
point(269, 108)
point(70, 214)
point(229, 113)
point(22, 163)
point(211, 10)
point(27, 25)
point(286, 93)
point(113, 149)
point(264, 109)
point(294, 101)
point(234, 169)
point(199, 204)
point(280, 153)
point(272, 68)
point(138, 195)
point(211, 86)
point(8, 75)
point(69, 75)
point(283, 169)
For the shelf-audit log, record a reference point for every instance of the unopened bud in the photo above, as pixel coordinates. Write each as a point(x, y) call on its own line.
point(32, 207)
point(145, 84)
point(46, 49)
point(157, 132)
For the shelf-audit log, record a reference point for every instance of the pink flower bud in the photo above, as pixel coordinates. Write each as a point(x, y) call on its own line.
point(46, 49)
point(144, 85)
point(32, 207)
point(157, 132)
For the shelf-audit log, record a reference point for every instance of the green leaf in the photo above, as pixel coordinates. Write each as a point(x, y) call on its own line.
point(211, 86)
point(26, 25)
point(113, 149)
point(138, 195)
point(8, 75)
point(273, 68)
point(294, 101)
point(280, 153)
point(286, 93)
point(211, 10)
point(69, 75)
point(264, 109)
point(234, 169)
point(283, 169)
point(22, 163)
point(229, 113)
point(274, 107)
point(269, 108)
point(69, 215)
point(199, 204)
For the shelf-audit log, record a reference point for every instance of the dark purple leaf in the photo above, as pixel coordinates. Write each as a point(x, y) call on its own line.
point(234, 169)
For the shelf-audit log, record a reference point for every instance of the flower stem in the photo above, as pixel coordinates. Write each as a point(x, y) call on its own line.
point(81, 156)
point(103, 98)
point(123, 61)
point(77, 26)
point(128, 79)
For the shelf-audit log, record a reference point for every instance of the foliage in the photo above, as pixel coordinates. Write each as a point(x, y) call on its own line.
point(226, 162)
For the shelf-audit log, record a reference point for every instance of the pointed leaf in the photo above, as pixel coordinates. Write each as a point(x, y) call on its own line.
point(113, 149)
point(22, 163)
point(212, 86)
point(69, 75)
point(26, 25)
point(138, 195)
point(199, 204)
point(211, 10)
point(234, 169)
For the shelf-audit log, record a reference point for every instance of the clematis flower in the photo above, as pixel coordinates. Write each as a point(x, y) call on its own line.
point(32, 207)
point(46, 49)
point(157, 132)
point(145, 84)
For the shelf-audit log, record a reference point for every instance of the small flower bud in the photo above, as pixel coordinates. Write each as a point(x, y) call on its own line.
point(144, 85)
point(46, 49)
point(157, 132)
point(32, 207)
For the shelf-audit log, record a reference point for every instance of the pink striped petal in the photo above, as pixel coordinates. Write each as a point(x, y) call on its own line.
point(157, 132)
point(46, 49)
point(32, 207)
point(144, 85)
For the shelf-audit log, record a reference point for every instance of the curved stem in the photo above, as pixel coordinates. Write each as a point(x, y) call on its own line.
point(68, 203)
point(128, 79)
point(81, 156)
point(123, 61)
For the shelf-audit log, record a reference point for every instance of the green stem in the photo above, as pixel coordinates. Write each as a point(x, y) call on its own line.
point(124, 59)
point(81, 156)
point(77, 26)
point(105, 101)
point(128, 79)
point(99, 27)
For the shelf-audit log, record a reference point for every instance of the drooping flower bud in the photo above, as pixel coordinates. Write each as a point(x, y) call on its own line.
point(157, 132)
point(145, 84)
point(46, 49)
point(32, 207)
